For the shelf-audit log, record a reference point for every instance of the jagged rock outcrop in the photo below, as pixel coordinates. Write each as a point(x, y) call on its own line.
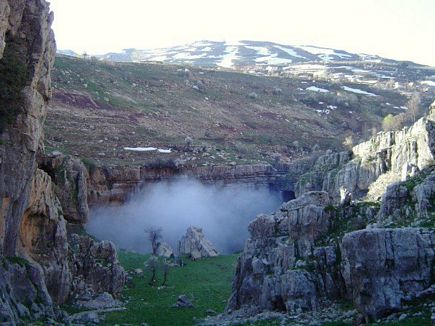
point(272, 270)
point(324, 246)
point(322, 174)
point(23, 292)
point(396, 154)
point(411, 202)
point(383, 267)
point(194, 245)
point(43, 236)
point(70, 177)
point(95, 267)
point(298, 259)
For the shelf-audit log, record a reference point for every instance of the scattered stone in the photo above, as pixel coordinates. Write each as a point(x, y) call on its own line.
point(183, 302)
point(102, 301)
point(138, 271)
point(86, 318)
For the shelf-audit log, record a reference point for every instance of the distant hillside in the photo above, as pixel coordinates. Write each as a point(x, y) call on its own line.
point(102, 107)
point(268, 58)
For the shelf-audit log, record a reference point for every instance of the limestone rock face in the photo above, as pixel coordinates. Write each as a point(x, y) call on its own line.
point(382, 267)
point(271, 271)
point(44, 237)
point(322, 174)
point(400, 153)
point(411, 201)
point(28, 48)
point(27, 51)
point(70, 178)
point(95, 267)
point(194, 245)
point(24, 295)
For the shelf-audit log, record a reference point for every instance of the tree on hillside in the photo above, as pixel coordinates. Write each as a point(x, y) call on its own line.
point(413, 106)
point(388, 122)
point(154, 235)
point(394, 122)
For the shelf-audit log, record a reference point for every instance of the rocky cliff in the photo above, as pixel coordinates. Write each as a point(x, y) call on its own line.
point(39, 265)
point(371, 166)
point(333, 244)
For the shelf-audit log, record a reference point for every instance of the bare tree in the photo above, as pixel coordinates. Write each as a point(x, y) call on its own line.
point(151, 264)
point(413, 106)
point(154, 235)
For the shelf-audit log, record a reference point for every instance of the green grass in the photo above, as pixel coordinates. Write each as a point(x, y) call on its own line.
point(207, 282)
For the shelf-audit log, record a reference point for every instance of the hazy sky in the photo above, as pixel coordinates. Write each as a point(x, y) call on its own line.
point(399, 29)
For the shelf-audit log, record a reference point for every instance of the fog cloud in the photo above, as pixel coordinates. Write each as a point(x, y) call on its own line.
point(222, 211)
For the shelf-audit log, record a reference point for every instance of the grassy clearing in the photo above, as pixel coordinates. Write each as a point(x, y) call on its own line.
point(207, 282)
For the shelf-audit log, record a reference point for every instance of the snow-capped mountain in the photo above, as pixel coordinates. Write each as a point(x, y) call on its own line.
point(240, 54)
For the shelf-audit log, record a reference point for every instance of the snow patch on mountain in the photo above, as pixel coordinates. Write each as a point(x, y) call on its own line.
point(317, 89)
point(290, 52)
point(229, 57)
point(357, 91)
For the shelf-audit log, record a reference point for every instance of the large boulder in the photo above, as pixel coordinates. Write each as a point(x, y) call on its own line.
point(383, 267)
point(164, 250)
point(194, 245)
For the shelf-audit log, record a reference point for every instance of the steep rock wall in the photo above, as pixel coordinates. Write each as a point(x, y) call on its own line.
point(38, 267)
point(28, 55)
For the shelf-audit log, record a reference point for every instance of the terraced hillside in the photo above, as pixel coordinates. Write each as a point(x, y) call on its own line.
point(204, 116)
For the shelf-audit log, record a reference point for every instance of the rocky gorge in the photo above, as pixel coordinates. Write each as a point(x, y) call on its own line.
point(361, 228)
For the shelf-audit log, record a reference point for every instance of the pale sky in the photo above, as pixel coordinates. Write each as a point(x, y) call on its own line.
point(397, 29)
